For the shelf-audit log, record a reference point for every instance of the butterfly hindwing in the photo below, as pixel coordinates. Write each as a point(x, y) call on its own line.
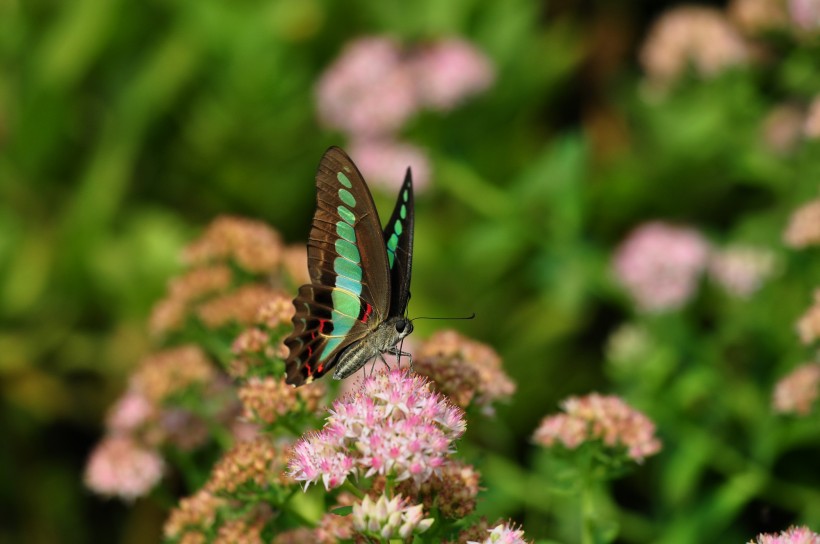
point(350, 291)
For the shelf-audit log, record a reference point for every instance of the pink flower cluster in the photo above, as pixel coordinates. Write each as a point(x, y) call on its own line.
point(394, 425)
point(660, 265)
point(504, 533)
point(797, 391)
point(599, 417)
point(120, 466)
point(794, 535)
point(376, 86)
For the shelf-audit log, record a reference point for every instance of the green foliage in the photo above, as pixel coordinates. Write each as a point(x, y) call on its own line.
point(126, 127)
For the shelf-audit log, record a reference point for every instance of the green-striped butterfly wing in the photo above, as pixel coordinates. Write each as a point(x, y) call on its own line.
point(398, 239)
point(347, 259)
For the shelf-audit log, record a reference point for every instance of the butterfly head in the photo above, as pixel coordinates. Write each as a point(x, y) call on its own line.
point(403, 327)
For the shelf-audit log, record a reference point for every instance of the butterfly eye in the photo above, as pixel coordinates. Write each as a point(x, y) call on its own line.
point(400, 325)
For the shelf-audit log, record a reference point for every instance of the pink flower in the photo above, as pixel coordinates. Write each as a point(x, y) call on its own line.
point(394, 425)
point(805, 14)
point(367, 90)
point(660, 264)
point(504, 533)
point(376, 86)
point(598, 417)
point(691, 36)
point(130, 412)
point(384, 162)
point(797, 391)
point(741, 270)
point(794, 535)
point(449, 71)
point(119, 466)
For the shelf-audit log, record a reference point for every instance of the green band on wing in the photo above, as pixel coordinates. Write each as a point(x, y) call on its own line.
point(347, 198)
point(405, 195)
point(346, 231)
point(403, 212)
point(397, 227)
point(391, 248)
point(343, 180)
point(347, 215)
point(346, 304)
point(347, 250)
point(348, 275)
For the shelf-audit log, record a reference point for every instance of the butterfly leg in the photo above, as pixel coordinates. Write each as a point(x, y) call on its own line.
point(399, 353)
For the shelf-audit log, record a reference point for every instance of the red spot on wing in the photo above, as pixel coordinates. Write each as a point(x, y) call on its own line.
point(320, 367)
point(368, 310)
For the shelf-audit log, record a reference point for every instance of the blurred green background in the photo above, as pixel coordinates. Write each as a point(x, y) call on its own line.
point(126, 127)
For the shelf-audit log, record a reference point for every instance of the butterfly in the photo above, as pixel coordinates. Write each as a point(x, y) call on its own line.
point(354, 308)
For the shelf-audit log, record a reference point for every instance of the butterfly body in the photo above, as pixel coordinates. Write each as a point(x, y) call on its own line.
point(353, 309)
point(382, 340)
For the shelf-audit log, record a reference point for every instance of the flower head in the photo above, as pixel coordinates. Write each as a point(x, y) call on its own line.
point(758, 16)
point(449, 71)
point(385, 161)
point(741, 270)
point(659, 265)
point(193, 515)
point(465, 370)
point(251, 245)
point(783, 127)
point(804, 226)
point(394, 425)
point(691, 36)
point(266, 400)
point(793, 535)
point(453, 490)
point(811, 127)
point(805, 14)
point(239, 306)
point(808, 326)
point(504, 533)
point(171, 371)
point(389, 518)
point(368, 90)
point(120, 467)
point(796, 392)
point(598, 417)
point(255, 463)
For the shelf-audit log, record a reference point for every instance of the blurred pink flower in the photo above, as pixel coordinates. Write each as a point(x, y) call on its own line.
point(505, 533)
point(368, 90)
point(757, 16)
point(119, 466)
point(660, 264)
point(691, 36)
point(794, 535)
point(599, 417)
point(449, 71)
point(394, 425)
point(805, 14)
point(811, 126)
point(796, 392)
point(130, 412)
point(384, 162)
point(389, 519)
point(803, 229)
point(741, 270)
point(783, 128)
point(375, 85)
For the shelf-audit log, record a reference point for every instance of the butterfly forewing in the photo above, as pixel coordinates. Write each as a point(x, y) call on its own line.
point(398, 239)
point(348, 264)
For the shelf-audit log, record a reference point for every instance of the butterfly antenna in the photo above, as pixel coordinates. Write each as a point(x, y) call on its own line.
point(471, 316)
